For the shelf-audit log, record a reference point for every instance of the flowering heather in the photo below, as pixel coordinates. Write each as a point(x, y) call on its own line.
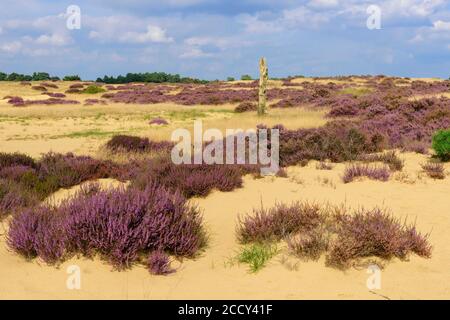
point(67, 170)
point(345, 237)
point(389, 158)
point(16, 172)
point(73, 91)
point(39, 88)
point(158, 121)
point(337, 141)
point(16, 101)
point(16, 159)
point(434, 170)
point(190, 179)
point(14, 197)
point(368, 233)
point(279, 222)
point(124, 143)
point(19, 102)
point(119, 225)
point(49, 85)
point(308, 245)
point(354, 171)
point(158, 263)
point(90, 102)
point(55, 95)
point(245, 107)
point(76, 86)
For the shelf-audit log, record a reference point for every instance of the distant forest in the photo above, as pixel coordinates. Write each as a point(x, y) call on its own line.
point(154, 77)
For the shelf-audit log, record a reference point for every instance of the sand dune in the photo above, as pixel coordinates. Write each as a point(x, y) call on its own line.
point(211, 276)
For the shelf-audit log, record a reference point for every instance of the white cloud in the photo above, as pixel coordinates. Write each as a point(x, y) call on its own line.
point(441, 25)
point(11, 47)
point(194, 53)
point(440, 30)
point(54, 39)
point(323, 3)
point(153, 34)
point(305, 17)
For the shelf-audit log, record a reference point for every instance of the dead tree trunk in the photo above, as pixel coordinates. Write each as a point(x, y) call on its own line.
point(263, 79)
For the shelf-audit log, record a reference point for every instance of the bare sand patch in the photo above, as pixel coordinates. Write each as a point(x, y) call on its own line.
point(425, 201)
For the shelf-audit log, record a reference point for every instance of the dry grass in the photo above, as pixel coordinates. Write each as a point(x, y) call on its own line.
point(83, 129)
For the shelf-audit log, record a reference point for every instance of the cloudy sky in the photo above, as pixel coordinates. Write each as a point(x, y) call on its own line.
point(214, 39)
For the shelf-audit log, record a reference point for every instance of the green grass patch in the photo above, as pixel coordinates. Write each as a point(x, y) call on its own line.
point(93, 90)
point(91, 133)
point(257, 255)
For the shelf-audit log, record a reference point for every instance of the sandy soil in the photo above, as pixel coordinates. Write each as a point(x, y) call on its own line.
point(409, 195)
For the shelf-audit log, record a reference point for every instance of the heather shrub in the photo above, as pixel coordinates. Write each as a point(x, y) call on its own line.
point(389, 158)
point(37, 232)
point(76, 86)
point(434, 170)
point(16, 173)
point(67, 170)
point(441, 144)
point(120, 225)
point(338, 141)
point(420, 147)
point(124, 143)
point(158, 121)
point(14, 197)
point(309, 245)
point(279, 222)
point(322, 165)
point(368, 233)
point(73, 90)
point(190, 179)
point(16, 159)
point(245, 107)
point(354, 171)
point(158, 263)
point(345, 237)
point(39, 88)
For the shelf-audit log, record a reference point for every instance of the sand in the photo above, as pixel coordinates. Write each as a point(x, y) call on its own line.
point(212, 276)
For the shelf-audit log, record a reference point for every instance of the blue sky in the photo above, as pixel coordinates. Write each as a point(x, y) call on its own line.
point(214, 39)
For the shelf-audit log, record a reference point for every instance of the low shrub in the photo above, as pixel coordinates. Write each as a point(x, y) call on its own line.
point(322, 165)
point(309, 245)
point(369, 233)
point(67, 170)
point(120, 225)
point(124, 143)
point(158, 263)
point(434, 170)
point(389, 158)
point(245, 107)
point(441, 144)
point(190, 179)
point(93, 90)
point(363, 170)
point(346, 237)
point(16, 159)
point(39, 88)
point(14, 196)
point(279, 222)
point(158, 121)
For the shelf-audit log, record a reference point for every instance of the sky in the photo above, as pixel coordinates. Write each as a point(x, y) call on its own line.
point(216, 39)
